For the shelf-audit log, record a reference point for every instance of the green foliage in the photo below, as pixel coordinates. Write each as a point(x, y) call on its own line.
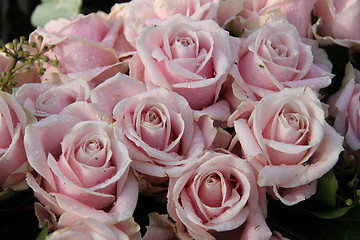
point(295, 223)
point(54, 9)
point(326, 190)
point(324, 204)
point(23, 55)
point(43, 234)
point(333, 213)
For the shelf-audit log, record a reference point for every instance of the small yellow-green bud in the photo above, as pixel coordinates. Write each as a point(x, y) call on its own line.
point(10, 45)
point(31, 60)
point(45, 59)
point(15, 42)
point(55, 63)
point(42, 71)
point(26, 54)
point(40, 38)
point(358, 192)
point(349, 201)
point(350, 184)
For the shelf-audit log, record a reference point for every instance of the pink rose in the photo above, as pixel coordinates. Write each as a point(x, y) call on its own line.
point(217, 198)
point(246, 15)
point(257, 13)
point(92, 229)
point(192, 58)
point(13, 162)
point(339, 18)
point(274, 58)
point(44, 99)
point(88, 60)
point(345, 107)
point(298, 13)
point(81, 167)
point(96, 27)
point(93, 55)
point(138, 14)
point(79, 25)
point(159, 131)
point(287, 140)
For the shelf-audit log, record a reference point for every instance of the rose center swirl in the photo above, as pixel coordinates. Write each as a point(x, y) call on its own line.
point(183, 41)
point(92, 146)
point(92, 152)
point(152, 117)
point(215, 190)
point(152, 124)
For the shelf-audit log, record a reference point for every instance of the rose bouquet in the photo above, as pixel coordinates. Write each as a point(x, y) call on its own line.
point(229, 119)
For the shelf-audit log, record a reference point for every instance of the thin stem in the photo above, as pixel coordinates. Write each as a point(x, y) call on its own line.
point(21, 66)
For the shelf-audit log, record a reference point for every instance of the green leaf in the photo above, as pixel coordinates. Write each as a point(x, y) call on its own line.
point(43, 234)
point(54, 9)
point(323, 203)
point(326, 190)
point(331, 214)
point(297, 224)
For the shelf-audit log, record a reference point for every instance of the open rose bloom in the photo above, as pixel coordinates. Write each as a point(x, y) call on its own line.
point(138, 14)
point(274, 58)
point(213, 109)
point(81, 168)
point(13, 161)
point(218, 199)
point(192, 58)
point(336, 21)
point(95, 55)
point(345, 107)
point(246, 16)
point(43, 100)
point(159, 130)
point(287, 140)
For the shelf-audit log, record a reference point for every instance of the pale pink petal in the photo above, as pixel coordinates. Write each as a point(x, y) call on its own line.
point(110, 92)
point(291, 196)
point(160, 227)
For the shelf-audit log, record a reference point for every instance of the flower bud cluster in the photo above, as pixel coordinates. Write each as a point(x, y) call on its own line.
point(22, 56)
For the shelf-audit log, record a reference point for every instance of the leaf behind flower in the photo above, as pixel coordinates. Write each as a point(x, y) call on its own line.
point(44, 233)
point(331, 214)
point(295, 223)
point(326, 190)
point(54, 9)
